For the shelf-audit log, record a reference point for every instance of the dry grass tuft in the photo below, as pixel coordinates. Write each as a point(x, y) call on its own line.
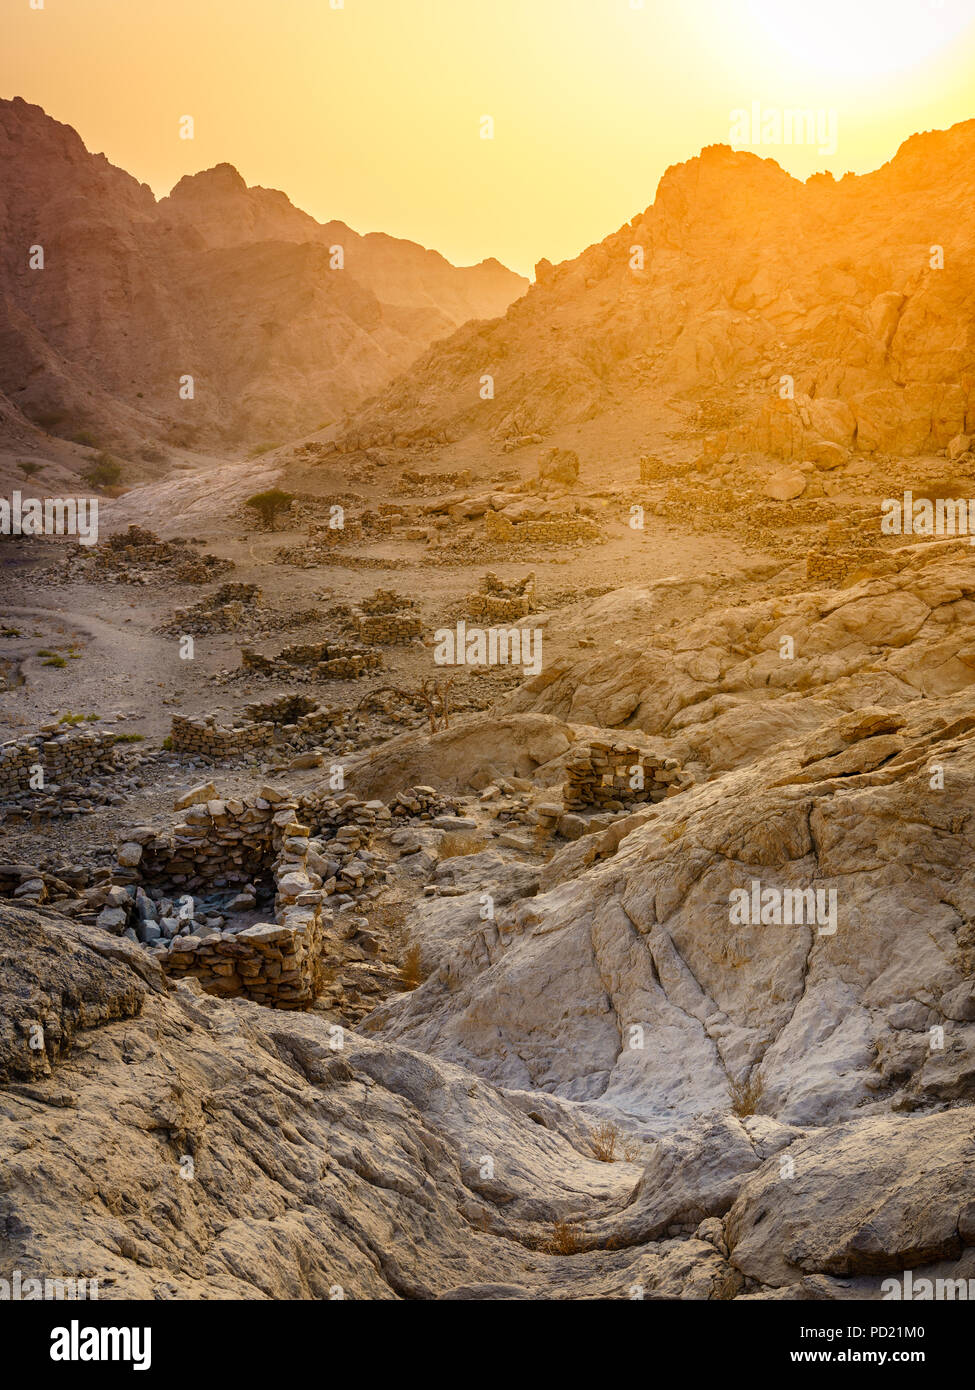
point(565, 1239)
point(604, 1140)
point(411, 971)
point(745, 1096)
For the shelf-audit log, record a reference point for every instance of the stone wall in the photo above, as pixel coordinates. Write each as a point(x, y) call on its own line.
point(500, 602)
point(326, 659)
point(202, 738)
point(222, 611)
point(600, 773)
point(384, 629)
point(657, 470)
point(295, 719)
point(64, 757)
point(221, 842)
point(557, 531)
point(385, 601)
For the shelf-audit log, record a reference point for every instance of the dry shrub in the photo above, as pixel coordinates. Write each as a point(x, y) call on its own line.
point(457, 843)
point(411, 971)
point(604, 1140)
point(565, 1239)
point(745, 1096)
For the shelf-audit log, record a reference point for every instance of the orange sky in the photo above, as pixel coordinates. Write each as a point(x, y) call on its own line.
point(371, 112)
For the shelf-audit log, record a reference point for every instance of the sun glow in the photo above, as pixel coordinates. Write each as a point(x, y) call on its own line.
point(862, 38)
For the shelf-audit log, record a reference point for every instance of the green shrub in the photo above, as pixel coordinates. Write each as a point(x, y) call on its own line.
point(104, 472)
point(268, 504)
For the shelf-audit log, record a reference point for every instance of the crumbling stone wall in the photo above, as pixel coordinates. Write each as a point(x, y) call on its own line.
point(385, 601)
point(601, 773)
point(222, 611)
point(64, 757)
point(384, 629)
point(381, 619)
point(497, 601)
point(293, 718)
point(221, 842)
point(561, 530)
point(201, 738)
point(657, 470)
point(326, 659)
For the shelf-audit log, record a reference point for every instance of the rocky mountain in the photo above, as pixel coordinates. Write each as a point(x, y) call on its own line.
point(792, 318)
point(232, 286)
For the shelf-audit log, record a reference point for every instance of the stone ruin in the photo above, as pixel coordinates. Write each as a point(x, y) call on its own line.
point(63, 757)
point(295, 720)
point(561, 530)
point(323, 660)
point(220, 843)
point(230, 860)
point(431, 483)
point(381, 619)
point(222, 611)
point(497, 601)
point(600, 775)
point(657, 470)
point(129, 554)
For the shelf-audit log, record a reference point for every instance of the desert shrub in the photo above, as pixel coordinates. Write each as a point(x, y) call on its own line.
point(85, 438)
point(28, 468)
point(565, 1239)
point(604, 1140)
point(104, 472)
point(745, 1096)
point(268, 504)
point(58, 661)
point(411, 971)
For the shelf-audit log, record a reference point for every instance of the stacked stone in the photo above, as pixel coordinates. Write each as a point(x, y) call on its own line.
point(600, 775)
point(563, 530)
point(436, 481)
point(139, 550)
point(222, 611)
point(300, 718)
point(831, 568)
point(424, 803)
point(327, 660)
point(657, 470)
point(62, 756)
point(388, 628)
point(201, 738)
point(500, 602)
point(385, 601)
point(220, 842)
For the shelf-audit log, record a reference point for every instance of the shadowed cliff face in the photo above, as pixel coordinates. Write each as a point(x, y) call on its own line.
point(860, 291)
point(231, 285)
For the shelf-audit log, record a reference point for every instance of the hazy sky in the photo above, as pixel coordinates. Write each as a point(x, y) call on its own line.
point(372, 112)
